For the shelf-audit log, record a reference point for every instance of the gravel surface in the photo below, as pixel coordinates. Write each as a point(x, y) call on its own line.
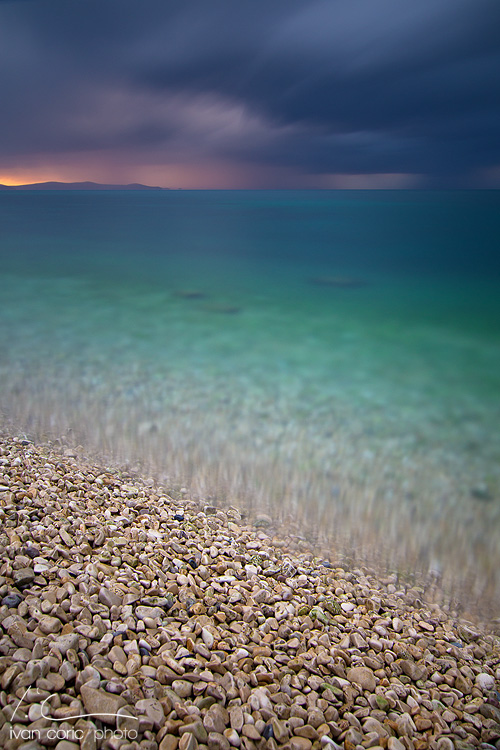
point(130, 619)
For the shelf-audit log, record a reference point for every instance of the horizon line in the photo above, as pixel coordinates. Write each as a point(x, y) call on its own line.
point(136, 186)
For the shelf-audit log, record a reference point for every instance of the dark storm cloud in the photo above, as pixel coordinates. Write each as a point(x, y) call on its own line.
point(322, 86)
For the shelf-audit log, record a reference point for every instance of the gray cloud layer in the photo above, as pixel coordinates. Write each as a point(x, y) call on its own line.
point(318, 86)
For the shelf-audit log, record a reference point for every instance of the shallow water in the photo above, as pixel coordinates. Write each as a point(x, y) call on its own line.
point(334, 355)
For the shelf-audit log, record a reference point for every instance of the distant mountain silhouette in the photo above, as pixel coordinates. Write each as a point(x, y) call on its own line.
point(79, 186)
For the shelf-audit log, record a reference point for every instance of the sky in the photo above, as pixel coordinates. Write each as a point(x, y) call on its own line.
point(251, 93)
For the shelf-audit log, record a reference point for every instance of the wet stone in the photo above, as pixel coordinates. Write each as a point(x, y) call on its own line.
point(23, 578)
point(11, 600)
point(267, 732)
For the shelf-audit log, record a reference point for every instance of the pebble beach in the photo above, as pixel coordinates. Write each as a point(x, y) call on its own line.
point(133, 617)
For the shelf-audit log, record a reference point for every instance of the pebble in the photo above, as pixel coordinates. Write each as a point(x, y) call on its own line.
point(232, 737)
point(300, 743)
point(67, 745)
point(397, 624)
point(394, 744)
point(101, 704)
point(152, 708)
point(64, 643)
point(216, 719)
point(169, 742)
point(197, 729)
point(208, 638)
point(49, 624)
point(217, 741)
point(413, 670)
point(23, 578)
point(363, 677)
point(109, 598)
point(251, 732)
point(188, 742)
point(485, 681)
point(11, 600)
point(236, 718)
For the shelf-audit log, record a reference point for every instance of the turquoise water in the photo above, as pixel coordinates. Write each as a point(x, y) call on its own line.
point(328, 355)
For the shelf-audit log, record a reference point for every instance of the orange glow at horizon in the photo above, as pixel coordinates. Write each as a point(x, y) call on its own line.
point(26, 176)
point(11, 181)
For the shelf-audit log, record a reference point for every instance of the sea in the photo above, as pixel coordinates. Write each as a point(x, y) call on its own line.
point(330, 359)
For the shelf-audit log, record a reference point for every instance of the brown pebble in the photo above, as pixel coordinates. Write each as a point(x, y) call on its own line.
point(251, 732)
point(217, 741)
point(188, 742)
point(300, 743)
point(362, 676)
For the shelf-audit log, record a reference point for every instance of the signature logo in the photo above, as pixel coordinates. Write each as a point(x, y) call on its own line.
point(76, 716)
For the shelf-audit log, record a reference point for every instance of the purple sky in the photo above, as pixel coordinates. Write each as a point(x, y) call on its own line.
point(251, 93)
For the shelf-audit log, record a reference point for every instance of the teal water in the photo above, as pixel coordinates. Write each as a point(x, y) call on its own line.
point(328, 355)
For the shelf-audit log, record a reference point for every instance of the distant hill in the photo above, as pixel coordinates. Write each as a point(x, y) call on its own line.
point(79, 186)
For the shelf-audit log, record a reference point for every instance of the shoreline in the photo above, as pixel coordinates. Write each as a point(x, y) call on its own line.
point(200, 628)
point(352, 531)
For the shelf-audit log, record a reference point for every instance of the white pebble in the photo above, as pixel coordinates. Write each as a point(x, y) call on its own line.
point(485, 681)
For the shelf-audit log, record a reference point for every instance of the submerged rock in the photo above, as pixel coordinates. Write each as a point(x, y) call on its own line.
point(340, 282)
point(481, 492)
point(222, 308)
point(190, 294)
